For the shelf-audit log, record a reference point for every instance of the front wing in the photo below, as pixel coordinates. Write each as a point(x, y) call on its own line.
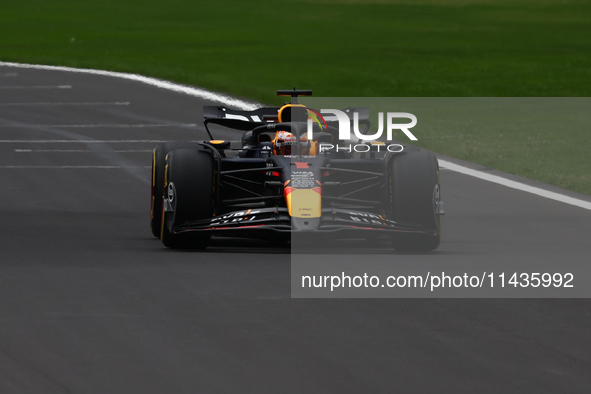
point(278, 220)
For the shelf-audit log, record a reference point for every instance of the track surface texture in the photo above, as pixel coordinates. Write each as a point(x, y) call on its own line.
point(90, 302)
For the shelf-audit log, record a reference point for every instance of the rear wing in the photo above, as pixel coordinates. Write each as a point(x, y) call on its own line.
point(236, 119)
point(248, 120)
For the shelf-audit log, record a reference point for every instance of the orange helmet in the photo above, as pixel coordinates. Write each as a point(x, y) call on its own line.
point(284, 141)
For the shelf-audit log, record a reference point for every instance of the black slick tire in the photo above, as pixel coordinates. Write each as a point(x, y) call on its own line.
point(414, 192)
point(157, 189)
point(189, 191)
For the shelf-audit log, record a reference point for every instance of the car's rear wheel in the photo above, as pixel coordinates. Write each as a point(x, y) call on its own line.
point(189, 192)
point(414, 194)
point(157, 190)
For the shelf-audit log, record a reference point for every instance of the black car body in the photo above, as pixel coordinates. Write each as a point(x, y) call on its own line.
point(253, 188)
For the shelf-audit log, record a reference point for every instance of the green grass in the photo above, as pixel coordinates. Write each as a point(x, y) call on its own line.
point(380, 48)
point(544, 139)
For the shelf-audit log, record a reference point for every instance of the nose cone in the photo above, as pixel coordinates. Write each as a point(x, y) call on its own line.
point(304, 203)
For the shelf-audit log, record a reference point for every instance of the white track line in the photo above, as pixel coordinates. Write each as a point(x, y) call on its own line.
point(90, 126)
point(225, 100)
point(195, 92)
point(515, 185)
point(37, 87)
point(79, 150)
point(72, 167)
point(81, 141)
point(61, 104)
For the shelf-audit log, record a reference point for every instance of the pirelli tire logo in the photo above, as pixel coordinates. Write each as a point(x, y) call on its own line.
point(170, 193)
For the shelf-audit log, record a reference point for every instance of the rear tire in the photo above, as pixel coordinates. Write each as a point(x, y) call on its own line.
point(414, 193)
point(189, 184)
point(157, 190)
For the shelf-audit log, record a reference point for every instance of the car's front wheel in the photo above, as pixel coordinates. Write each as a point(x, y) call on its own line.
point(157, 189)
point(414, 194)
point(188, 185)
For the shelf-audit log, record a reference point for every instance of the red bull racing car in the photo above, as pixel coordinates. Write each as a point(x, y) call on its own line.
point(291, 176)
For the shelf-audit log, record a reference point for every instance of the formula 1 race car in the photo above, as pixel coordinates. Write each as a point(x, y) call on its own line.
point(291, 176)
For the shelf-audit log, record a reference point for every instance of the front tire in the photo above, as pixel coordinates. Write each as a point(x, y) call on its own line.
point(189, 185)
point(414, 193)
point(157, 190)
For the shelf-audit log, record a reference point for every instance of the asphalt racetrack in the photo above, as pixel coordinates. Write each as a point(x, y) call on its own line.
point(90, 302)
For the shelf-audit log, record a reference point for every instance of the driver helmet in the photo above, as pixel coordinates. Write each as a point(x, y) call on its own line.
point(284, 141)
